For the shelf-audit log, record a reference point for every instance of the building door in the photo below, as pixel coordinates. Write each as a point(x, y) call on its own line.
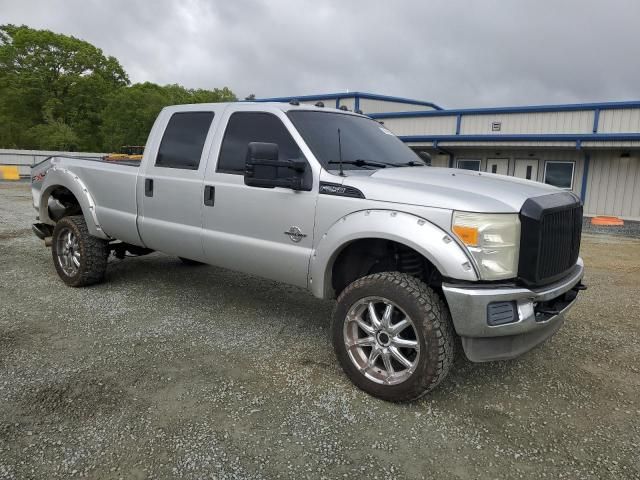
point(526, 168)
point(613, 186)
point(498, 165)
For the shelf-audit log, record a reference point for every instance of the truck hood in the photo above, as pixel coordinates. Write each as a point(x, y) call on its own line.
point(449, 188)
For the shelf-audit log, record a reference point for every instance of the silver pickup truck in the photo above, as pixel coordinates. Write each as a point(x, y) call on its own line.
point(331, 201)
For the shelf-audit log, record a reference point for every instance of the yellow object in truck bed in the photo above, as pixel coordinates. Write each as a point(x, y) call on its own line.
point(127, 152)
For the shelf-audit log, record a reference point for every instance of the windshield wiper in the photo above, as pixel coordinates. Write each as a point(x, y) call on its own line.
point(363, 163)
point(411, 163)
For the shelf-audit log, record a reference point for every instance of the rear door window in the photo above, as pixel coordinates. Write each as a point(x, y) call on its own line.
point(183, 140)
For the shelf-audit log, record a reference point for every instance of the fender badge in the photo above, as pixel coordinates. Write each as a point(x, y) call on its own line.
point(295, 234)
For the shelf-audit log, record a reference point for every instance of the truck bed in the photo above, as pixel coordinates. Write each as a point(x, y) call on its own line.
point(130, 163)
point(109, 186)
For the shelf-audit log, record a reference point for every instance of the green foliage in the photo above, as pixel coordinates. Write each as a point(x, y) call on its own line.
point(61, 93)
point(54, 135)
point(131, 111)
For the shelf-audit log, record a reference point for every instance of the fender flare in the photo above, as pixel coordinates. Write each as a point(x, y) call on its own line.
point(416, 232)
point(61, 177)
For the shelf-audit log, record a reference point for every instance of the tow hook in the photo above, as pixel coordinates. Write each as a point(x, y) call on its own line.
point(43, 232)
point(551, 309)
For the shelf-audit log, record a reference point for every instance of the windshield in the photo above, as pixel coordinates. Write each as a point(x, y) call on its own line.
point(365, 143)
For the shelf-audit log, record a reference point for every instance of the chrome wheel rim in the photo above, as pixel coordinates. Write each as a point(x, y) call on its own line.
point(381, 340)
point(68, 252)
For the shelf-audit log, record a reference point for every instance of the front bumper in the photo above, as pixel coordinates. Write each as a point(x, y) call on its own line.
point(537, 314)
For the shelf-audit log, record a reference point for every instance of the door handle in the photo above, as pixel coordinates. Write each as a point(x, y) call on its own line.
point(209, 195)
point(148, 187)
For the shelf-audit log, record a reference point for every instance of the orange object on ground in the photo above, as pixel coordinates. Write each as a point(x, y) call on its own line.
point(9, 172)
point(607, 221)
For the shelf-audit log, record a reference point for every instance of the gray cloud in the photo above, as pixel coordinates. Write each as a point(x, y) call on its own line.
point(455, 53)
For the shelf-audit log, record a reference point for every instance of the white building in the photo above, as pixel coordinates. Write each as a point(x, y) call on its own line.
point(590, 148)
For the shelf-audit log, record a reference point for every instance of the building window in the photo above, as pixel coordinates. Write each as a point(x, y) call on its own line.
point(468, 164)
point(183, 140)
point(559, 174)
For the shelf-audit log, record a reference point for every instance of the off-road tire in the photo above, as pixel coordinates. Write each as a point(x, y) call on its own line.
point(434, 332)
point(93, 253)
point(188, 261)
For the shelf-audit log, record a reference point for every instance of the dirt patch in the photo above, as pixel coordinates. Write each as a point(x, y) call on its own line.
point(76, 397)
point(8, 235)
point(16, 338)
point(8, 340)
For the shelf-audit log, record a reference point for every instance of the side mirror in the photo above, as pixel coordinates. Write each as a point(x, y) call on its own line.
point(264, 169)
point(424, 155)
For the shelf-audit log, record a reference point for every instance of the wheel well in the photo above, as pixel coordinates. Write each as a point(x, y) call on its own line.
point(372, 255)
point(61, 203)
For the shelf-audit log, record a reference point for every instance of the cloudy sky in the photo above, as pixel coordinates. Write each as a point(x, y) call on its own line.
point(454, 53)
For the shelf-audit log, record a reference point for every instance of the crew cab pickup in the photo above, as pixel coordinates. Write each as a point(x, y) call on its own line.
point(331, 201)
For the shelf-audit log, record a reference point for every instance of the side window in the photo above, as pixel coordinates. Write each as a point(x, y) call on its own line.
point(247, 127)
point(183, 140)
point(559, 174)
point(466, 164)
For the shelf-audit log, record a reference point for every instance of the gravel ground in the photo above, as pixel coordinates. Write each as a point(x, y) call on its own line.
point(196, 372)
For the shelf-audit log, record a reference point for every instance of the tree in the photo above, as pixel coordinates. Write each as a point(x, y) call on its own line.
point(131, 111)
point(61, 93)
point(53, 88)
point(129, 115)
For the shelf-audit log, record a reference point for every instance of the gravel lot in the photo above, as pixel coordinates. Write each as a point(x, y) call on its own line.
point(197, 372)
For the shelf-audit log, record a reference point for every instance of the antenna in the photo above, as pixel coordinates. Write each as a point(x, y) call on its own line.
point(340, 154)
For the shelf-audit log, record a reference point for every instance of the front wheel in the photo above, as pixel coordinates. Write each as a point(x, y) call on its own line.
point(393, 336)
point(80, 258)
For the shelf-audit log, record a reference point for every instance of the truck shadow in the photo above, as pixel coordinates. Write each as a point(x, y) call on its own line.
point(266, 304)
point(197, 286)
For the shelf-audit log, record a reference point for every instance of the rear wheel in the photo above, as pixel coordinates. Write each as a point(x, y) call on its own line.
point(79, 258)
point(393, 336)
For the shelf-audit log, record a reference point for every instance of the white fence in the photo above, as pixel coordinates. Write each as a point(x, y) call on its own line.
point(23, 159)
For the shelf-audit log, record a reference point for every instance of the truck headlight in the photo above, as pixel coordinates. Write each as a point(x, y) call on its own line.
point(493, 239)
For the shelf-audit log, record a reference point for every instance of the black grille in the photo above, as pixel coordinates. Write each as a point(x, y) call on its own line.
point(560, 241)
point(550, 237)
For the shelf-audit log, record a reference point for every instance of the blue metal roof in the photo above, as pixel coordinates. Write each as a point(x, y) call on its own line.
point(438, 111)
point(355, 95)
point(501, 137)
point(498, 137)
point(571, 107)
